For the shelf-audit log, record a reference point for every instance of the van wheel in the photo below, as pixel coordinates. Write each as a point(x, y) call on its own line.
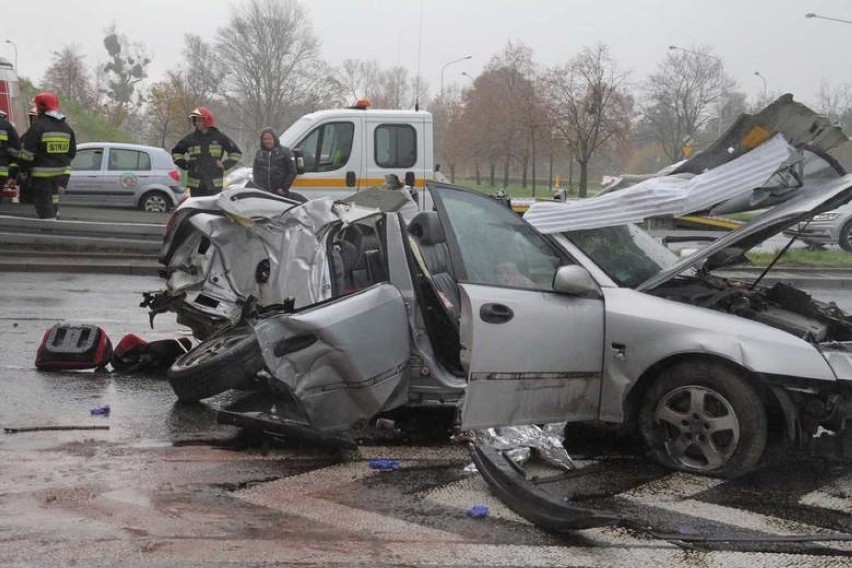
point(228, 360)
point(844, 239)
point(154, 202)
point(702, 417)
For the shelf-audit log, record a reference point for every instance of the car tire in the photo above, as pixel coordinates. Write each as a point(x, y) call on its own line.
point(155, 202)
point(228, 360)
point(703, 417)
point(844, 238)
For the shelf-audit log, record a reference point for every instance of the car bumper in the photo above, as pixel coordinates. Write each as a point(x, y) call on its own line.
point(814, 234)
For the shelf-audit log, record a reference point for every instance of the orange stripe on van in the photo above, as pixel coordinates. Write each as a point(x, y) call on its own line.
point(339, 182)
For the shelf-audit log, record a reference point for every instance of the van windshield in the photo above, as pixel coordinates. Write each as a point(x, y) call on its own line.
point(296, 130)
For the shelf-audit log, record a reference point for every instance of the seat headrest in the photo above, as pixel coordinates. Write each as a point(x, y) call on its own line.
point(426, 227)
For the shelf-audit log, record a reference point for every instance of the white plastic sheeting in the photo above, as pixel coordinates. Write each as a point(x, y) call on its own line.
point(666, 195)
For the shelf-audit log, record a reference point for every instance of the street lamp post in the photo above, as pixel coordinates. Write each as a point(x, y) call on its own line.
point(762, 78)
point(719, 63)
point(465, 74)
point(810, 15)
point(447, 64)
point(12, 43)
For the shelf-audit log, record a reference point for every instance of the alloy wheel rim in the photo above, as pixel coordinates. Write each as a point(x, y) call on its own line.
point(701, 429)
point(155, 204)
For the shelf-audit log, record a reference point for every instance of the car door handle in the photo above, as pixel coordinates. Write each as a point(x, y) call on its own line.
point(351, 180)
point(495, 313)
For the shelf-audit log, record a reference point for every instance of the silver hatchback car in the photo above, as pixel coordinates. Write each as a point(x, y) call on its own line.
point(124, 175)
point(830, 228)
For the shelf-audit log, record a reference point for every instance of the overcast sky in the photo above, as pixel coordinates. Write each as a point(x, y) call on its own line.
point(773, 37)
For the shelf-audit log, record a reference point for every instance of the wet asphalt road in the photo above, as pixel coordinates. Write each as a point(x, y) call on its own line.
point(167, 486)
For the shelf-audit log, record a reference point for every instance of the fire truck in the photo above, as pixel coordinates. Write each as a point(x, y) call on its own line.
point(12, 103)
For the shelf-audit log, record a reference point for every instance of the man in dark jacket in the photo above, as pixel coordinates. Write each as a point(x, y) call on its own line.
point(274, 167)
point(49, 146)
point(10, 146)
point(210, 151)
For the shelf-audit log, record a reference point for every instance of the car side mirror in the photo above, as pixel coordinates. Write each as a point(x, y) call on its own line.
point(299, 158)
point(575, 280)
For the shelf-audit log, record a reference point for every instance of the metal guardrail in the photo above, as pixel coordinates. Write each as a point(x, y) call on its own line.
point(95, 235)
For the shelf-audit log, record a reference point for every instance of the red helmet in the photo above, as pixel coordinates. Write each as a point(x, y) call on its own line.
point(204, 114)
point(46, 101)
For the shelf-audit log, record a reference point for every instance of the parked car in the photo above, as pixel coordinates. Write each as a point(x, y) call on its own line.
point(124, 175)
point(341, 310)
point(829, 228)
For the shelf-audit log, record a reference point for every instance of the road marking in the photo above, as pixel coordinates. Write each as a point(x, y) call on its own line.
point(836, 495)
point(302, 495)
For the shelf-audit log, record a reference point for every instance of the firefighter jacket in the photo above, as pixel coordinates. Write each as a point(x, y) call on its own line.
point(204, 150)
point(274, 169)
point(10, 146)
point(48, 148)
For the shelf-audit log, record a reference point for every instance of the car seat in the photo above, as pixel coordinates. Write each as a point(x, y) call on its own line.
point(431, 242)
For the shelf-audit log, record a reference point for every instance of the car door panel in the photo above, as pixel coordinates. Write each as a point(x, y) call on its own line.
point(344, 360)
point(542, 364)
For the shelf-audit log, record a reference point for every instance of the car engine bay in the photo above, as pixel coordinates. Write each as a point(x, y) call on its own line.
point(779, 305)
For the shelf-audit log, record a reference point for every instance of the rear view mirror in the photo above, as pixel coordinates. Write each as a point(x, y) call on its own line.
point(574, 280)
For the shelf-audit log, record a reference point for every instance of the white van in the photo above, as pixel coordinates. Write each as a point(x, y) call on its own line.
point(346, 150)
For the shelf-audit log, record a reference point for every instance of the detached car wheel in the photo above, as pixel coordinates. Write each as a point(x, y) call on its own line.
point(228, 360)
point(704, 418)
point(844, 239)
point(155, 202)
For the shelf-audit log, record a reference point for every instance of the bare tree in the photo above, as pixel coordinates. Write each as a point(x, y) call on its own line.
point(125, 70)
point(271, 55)
point(683, 96)
point(68, 75)
point(204, 71)
point(836, 103)
point(589, 105)
point(358, 79)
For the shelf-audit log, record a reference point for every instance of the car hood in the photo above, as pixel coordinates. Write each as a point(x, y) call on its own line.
point(815, 196)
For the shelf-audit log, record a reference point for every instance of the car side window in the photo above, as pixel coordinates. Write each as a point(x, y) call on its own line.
point(87, 159)
point(497, 247)
point(396, 145)
point(128, 160)
point(327, 147)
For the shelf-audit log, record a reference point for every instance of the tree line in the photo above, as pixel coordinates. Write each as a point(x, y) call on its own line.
point(516, 122)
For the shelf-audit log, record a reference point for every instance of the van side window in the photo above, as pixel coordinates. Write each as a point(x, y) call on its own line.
point(396, 145)
point(327, 147)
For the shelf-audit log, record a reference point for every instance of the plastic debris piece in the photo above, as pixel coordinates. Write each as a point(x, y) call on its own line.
point(478, 511)
point(470, 468)
point(100, 410)
point(385, 464)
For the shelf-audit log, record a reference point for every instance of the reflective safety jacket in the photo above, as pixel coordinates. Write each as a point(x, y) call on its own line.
point(204, 149)
point(48, 148)
point(10, 146)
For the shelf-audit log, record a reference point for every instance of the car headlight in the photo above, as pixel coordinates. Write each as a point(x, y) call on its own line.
point(826, 217)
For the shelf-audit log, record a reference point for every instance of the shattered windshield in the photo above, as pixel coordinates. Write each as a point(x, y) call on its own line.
point(626, 253)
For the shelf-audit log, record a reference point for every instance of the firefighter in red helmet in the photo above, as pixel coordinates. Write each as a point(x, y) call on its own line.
point(48, 148)
point(210, 153)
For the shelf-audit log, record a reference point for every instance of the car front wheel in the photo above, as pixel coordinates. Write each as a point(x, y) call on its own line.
point(703, 417)
point(844, 239)
point(154, 202)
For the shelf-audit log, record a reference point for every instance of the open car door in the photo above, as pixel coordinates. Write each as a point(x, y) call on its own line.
point(531, 354)
point(344, 360)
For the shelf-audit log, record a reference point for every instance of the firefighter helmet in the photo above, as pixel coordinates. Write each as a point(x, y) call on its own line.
point(204, 114)
point(46, 101)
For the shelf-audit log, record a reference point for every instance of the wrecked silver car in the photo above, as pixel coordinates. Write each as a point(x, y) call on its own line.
point(443, 296)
